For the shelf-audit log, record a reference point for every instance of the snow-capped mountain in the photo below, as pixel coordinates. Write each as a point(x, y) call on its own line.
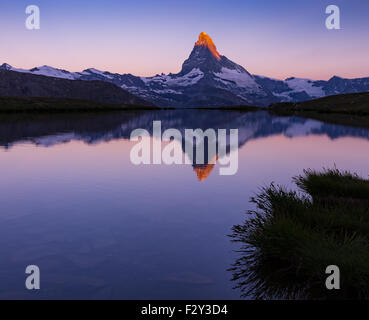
point(61, 85)
point(297, 89)
point(209, 79)
point(45, 71)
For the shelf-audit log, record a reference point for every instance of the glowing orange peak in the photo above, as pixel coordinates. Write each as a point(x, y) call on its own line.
point(203, 171)
point(206, 41)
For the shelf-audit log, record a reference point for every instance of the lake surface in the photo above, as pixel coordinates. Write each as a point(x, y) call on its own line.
point(72, 203)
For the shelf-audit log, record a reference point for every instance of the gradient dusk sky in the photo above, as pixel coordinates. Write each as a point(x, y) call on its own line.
point(273, 38)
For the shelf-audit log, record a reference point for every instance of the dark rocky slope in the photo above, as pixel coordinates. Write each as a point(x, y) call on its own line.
point(16, 84)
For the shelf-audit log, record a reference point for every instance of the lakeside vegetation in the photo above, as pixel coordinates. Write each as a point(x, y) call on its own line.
point(290, 239)
point(20, 105)
point(41, 104)
point(345, 109)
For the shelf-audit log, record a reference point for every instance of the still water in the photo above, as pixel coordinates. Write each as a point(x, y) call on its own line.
point(72, 203)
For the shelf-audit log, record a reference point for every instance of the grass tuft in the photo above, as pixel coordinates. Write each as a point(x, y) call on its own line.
point(290, 239)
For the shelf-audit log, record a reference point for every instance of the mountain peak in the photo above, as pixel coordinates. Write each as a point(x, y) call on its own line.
point(5, 66)
point(206, 41)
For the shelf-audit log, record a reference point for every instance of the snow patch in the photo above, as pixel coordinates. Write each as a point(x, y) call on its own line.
point(307, 85)
point(189, 79)
point(98, 72)
point(49, 72)
point(241, 79)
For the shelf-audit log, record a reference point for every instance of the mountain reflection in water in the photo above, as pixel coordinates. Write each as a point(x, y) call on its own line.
point(93, 128)
point(98, 226)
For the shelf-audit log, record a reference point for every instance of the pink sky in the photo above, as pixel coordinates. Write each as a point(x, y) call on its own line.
point(276, 39)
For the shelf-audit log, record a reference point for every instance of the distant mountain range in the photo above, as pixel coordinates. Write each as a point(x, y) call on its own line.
point(208, 79)
point(15, 84)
